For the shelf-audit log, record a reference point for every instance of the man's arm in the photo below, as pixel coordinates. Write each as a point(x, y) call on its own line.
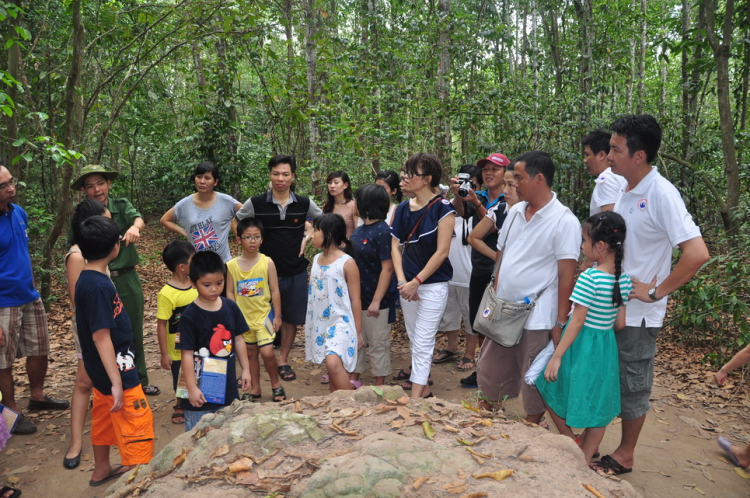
point(566, 270)
point(694, 254)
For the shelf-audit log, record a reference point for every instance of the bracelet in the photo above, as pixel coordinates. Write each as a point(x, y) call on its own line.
point(400, 283)
point(418, 280)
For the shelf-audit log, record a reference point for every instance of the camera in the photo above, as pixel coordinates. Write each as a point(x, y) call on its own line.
point(465, 184)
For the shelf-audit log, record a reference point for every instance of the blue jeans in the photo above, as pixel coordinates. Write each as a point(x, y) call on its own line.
point(192, 417)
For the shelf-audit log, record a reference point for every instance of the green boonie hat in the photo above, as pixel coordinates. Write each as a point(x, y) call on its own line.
point(92, 169)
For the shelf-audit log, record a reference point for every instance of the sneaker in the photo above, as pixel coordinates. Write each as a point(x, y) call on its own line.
point(470, 381)
point(23, 427)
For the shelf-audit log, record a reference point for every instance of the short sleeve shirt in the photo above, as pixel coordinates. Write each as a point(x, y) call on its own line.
point(594, 290)
point(423, 242)
point(532, 252)
point(372, 246)
point(208, 229)
point(170, 303)
point(15, 261)
point(657, 222)
point(215, 331)
point(98, 306)
point(460, 252)
point(607, 189)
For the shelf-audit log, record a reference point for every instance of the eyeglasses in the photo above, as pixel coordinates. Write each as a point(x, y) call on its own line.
point(408, 176)
point(251, 238)
point(12, 183)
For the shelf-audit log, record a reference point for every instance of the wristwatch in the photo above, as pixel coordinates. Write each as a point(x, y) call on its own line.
point(652, 294)
point(560, 324)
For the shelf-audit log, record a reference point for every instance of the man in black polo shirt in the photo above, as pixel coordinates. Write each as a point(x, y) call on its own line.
point(283, 215)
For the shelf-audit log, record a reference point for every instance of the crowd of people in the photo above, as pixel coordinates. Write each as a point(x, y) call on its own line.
point(428, 255)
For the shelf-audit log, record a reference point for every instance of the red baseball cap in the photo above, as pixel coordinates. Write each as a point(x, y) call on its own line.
point(496, 158)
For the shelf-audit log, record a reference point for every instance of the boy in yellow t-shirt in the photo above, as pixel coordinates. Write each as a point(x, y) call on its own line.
point(252, 283)
point(171, 301)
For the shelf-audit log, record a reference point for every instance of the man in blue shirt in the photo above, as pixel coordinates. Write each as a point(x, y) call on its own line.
point(23, 322)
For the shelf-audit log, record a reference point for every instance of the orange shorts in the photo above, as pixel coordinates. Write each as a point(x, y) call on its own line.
point(131, 428)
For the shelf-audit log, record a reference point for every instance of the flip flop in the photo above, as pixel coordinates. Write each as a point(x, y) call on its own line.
point(287, 373)
point(178, 415)
point(726, 445)
point(113, 474)
point(151, 390)
point(324, 379)
point(406, 386)
point(278, 392)
point(401, 375)
point(5, 489)
point(447, 356)
point(461, 366)
point(610, 466)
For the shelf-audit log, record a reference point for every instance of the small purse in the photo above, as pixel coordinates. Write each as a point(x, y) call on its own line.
point(500, 320)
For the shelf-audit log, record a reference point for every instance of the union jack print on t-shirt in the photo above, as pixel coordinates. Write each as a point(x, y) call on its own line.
point(204, 238)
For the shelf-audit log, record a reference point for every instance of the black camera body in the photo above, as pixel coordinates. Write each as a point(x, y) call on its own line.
point(465, 184)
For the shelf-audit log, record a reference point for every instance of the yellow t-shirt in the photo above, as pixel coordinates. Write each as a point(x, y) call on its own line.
point(251, 291)
point(170, 303)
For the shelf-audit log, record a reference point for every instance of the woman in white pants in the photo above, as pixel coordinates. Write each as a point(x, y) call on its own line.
point(422, 229)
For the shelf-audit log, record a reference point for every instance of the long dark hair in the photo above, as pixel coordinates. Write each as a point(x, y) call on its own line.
point(391, 178)
point(609, 227)
point(333, 227)
point(330, 201)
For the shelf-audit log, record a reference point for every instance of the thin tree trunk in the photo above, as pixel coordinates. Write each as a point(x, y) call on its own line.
point(642, 61)
point(311, 30)
point(443, 87)
point(14, 63)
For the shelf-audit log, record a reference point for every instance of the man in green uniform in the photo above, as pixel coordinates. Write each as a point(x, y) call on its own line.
point(95, 181)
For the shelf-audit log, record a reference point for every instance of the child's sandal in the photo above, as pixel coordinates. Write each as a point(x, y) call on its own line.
point(278, 392)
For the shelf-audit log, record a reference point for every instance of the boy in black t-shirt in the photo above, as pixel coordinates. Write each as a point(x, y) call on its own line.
point(121, 415)
point(207, 329)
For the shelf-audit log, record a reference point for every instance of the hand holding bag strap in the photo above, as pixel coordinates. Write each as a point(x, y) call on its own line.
point(416, 225)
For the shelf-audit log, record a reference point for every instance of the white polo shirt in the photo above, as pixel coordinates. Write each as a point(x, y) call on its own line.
point(460, 254)
point(657, 221)
point(607, 189)
point(531, 255)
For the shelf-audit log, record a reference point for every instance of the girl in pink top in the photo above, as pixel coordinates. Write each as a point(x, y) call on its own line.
point(340, 200)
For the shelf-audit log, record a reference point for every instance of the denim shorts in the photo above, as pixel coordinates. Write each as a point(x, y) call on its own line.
point(192, 417)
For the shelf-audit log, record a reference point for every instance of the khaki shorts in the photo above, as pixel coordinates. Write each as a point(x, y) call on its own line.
point(376, 333)
point(456, 308)
point(637, 349)
point(25, 330)
point(131, 429)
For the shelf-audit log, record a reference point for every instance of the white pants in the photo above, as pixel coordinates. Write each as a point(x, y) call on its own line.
point(422, 318)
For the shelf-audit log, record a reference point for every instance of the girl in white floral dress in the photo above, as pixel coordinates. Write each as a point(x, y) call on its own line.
point(333, 332)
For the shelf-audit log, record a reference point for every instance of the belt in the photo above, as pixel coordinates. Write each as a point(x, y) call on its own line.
point(121, 271)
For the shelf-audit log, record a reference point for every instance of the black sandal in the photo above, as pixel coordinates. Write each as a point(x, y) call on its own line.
point(445, 356)
point(278, 392)
point(286, 373)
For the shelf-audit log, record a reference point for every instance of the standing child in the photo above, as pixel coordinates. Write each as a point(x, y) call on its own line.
point(581, 383)
point(121, 415)
point(207, 329)
point(372, 244)
point(171, 301)
point(333, 330)
point(739, 456)
point(252, 283)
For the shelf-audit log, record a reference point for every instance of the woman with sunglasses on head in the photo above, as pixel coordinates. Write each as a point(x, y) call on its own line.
point(422, 229)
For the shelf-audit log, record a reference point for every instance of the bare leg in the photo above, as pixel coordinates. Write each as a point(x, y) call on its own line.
point(354, 376)
point(36, 367)
point(471, 346)
point(419, 391)
point(631, 429)
point(6, 387)
point(288, 332)
point(452, 336)
point(594, 436)
point(252, 357)
point(78, 408)
point(338, 375)
point(102, 467)
point(535, 419)
point(272, 367)
point(560, 423)
point(380, 381)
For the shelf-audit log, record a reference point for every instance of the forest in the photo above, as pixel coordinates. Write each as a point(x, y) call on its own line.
point(152, 88)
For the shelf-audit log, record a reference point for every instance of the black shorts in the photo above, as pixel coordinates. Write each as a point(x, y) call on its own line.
point(293, 290)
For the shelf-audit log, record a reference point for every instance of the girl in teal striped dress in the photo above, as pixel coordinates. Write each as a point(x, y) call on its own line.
point(581, 383)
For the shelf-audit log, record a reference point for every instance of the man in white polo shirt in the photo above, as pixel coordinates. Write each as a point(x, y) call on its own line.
point(608, 186)
point(657, 221)
point(541, 252)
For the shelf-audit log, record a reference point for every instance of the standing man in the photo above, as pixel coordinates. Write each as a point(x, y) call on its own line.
point(542, 243)
point(608, 186)
point(23, 322)
point(283, 214)
point(95, 182)
point(479, 203)
point(657, 221)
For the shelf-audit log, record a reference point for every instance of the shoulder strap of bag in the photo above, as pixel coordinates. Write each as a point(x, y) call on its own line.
point(416, 225)
point(502, 251)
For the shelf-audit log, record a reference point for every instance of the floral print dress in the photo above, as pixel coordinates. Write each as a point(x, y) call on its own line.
point(330, 327)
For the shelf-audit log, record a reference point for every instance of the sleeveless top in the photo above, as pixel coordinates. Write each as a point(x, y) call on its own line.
point(251, 291)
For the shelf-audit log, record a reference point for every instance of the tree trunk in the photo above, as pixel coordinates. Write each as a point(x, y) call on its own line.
point(642, 61)
point(14, 63)
point(443, 86)
point(227, 102)
point(311, 29)
point(71, 134)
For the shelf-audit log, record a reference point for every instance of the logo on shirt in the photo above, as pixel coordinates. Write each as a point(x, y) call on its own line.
point(204, 238)
point(445, 201)
point(125, 362)
point(221, 342)
point(118, 306)
point(250, 288)
point(642, 204)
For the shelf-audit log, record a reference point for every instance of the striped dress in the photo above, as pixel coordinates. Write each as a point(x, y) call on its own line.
point(587, 390)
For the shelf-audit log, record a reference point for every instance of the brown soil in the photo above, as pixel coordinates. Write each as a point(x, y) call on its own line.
point(677, 455)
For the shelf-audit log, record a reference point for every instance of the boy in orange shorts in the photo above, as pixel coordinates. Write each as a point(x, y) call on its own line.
point(121, 415)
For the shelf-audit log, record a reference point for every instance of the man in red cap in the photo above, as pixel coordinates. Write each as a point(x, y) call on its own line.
point(477, 204)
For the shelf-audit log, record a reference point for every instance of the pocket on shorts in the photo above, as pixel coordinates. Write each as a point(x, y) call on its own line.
point(639, 375)
point(138, 424)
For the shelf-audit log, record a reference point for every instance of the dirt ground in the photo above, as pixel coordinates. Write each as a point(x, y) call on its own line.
point(677, 455)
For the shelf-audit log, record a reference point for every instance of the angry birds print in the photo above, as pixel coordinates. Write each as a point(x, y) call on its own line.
point(221, 342)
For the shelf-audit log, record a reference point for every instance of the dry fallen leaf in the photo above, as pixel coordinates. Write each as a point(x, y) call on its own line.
point(428, 430)
point(13, 480)
point(403, 400)
point(180, 458)
point(220, 451)
point(297, 407)
point(593, 490)
point(450, 428)
point(247, 478)
point(475, 495)
point(497, 475)
point(241, 465)
point(456, 487)
point(742, 473)
point(418, 481)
